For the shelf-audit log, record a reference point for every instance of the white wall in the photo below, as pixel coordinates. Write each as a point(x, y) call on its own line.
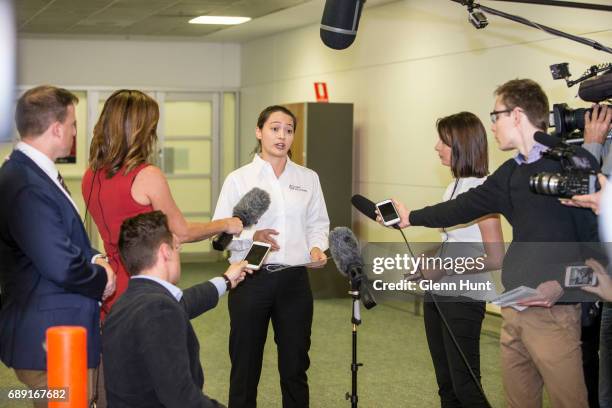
point(119, 63)
point(413, 62)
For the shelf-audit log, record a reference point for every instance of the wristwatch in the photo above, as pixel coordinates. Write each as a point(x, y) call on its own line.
point(228, 282)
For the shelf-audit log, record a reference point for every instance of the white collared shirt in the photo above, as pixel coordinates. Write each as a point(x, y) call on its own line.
point(297, 210)
point(46, 165)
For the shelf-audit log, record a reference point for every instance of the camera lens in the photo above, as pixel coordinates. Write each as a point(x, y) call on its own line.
point(545, 183)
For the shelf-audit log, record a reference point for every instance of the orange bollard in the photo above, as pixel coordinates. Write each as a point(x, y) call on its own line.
point(67, 365)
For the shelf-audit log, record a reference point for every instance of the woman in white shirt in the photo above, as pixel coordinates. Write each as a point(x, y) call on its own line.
point(462, 146)
point(297, 226)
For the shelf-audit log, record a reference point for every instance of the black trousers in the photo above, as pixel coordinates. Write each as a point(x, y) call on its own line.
point(455, 385)
point(590, 336)
point(285, 298)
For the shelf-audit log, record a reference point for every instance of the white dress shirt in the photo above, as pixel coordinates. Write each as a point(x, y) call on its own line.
point(297, 210)
point(46, 165)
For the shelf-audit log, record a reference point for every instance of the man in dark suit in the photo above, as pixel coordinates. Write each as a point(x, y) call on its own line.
point(49, 274)
point(150, 350)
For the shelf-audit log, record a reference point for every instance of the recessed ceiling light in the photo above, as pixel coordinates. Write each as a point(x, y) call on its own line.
point(219, 20)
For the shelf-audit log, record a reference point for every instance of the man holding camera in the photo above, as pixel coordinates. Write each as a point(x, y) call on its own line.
point(541, 344)
point(597, 128)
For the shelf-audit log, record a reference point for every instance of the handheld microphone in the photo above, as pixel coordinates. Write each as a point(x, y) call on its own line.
point(366, 207)
point(339, 22)
point(249, 210)
point(346, 254)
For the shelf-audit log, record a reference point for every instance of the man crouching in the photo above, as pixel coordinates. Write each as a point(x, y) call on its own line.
point(150, 351)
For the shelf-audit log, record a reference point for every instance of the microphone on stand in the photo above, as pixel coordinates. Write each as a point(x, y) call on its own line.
point(346, 254)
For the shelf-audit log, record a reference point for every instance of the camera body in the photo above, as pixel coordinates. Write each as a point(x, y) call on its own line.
point(566, 120)
point(564, 185)
point(595, 86)
point(576, 178)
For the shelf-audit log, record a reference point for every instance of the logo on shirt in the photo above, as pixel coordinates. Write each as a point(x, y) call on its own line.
point(297, 188)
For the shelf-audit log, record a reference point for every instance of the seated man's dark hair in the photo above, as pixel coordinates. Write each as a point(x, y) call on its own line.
point(140, 238)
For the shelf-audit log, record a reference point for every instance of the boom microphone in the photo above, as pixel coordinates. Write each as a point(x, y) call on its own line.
point(339, 22)
point(597, 89)
point(249, 209)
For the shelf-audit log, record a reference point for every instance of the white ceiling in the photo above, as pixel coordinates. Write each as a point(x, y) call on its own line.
point(164, 18)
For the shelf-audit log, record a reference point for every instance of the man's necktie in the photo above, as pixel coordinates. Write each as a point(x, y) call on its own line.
point(62, 183)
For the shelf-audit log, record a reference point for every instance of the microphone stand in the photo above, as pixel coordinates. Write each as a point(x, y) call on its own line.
point(355, 321)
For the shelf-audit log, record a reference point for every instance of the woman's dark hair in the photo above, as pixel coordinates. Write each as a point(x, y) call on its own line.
point(265, 115)
point(465, 134)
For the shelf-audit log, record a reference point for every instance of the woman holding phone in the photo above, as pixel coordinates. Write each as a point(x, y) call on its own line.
point(462, 146)
point(121, 182)
point(296, 226)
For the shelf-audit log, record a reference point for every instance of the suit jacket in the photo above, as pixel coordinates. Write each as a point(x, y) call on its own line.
point(46, 275)
point(151, 353)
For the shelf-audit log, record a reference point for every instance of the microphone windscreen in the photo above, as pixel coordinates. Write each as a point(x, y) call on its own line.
point(364, 206)
point(547, 140)
point(339, 22)
point(252, 206)
point(596, 89)
point(344, 249)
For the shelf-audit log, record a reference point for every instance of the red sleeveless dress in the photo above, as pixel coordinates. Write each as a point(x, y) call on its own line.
point(110, 202)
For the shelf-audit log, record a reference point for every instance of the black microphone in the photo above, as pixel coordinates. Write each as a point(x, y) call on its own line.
point(346, 254)
point(596, 89)
point(249, 209)
point(366, 207)
point(339, 22)
point(547, 140)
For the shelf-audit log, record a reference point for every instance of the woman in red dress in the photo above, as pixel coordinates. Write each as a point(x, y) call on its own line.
point(121, 182)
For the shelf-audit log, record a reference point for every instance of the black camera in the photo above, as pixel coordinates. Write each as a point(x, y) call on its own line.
point(576, 178)
point(595, 86)
point(566, 120)
point(564, 184)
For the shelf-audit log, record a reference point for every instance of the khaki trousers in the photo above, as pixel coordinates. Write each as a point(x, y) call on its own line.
point(541, 347)
point(37, 379)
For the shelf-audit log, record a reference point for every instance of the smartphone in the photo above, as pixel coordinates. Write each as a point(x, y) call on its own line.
point(257, 254)
point(388, 212)
point(579, 275)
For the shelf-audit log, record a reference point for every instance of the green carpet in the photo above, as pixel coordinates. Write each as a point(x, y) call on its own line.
point(397, 369)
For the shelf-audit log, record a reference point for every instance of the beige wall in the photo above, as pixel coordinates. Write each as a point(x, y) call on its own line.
point(413, 62)
point(125, 63)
